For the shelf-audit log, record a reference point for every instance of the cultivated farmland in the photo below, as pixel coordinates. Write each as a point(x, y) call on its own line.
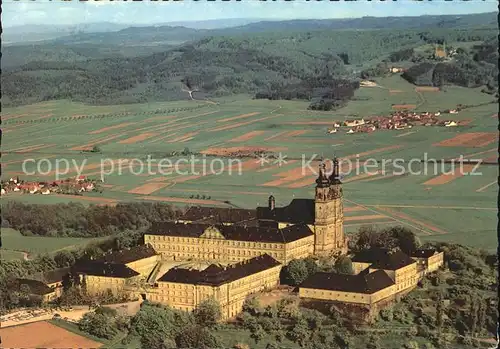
point(43, 334)
point(240, 129)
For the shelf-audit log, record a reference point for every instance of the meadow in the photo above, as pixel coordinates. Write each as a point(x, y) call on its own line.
point(437, 206)
point(18, 246)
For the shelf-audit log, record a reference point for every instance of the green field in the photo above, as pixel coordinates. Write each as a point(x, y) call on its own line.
point(14, 244)
point(445, 212)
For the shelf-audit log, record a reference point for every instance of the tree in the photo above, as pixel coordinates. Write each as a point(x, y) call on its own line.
point(335, 316)
point(481, 316)
point(271, 311)
point(257, 333)
point(299, 333)
point(64, 258)
point(386, 314)
point(208, 312)
point(311, 265)
point(154, 324)
point(96, 149)
point(411, 345)
point(110, 312)
point(403, 238)
point(296, 272)
point(98, 325)
point(251, 305)
point(343, 265)
point(314, 318)
point(247, 320)
point(197, 337)
point(272, 345)
point(373, 342)
point(412, 331)
point(366, 238)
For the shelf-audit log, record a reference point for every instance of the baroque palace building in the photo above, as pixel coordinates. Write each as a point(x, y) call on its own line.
point(245, 251)
point(303, 228)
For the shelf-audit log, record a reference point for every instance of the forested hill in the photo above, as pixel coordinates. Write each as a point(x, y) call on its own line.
point(277, 65)
point(421, 22)
point(177, 34)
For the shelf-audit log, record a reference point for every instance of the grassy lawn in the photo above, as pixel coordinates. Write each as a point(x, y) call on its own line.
point(8, 255)
point(108, 343)
point(13, 242)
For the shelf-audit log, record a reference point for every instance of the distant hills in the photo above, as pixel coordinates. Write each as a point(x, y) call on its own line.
point(40, 32)
point(182, 31)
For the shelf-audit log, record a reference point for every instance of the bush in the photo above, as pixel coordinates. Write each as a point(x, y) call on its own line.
point(98, 325)
point(251, 305)
point(208, 313)
point(386, 314)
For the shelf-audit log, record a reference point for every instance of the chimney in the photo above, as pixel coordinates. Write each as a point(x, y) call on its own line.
point(272, 203)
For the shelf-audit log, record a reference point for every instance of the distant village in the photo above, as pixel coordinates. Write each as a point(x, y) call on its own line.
point(399, 120)
point(74, 185)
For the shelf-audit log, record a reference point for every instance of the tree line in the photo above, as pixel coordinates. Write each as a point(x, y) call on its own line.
point(77, 220)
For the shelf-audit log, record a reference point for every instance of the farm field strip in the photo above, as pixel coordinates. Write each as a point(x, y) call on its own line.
point(365, 218)
point(88, 198)
point(354, 209)
point(156, 140)
point(89, 146)
point(183, 200)
point(376, 223)
point(225, 151)
point(53, 129)
point(480, 153)
point(247, 136)
point(307, 123)
point(197, 115)
point(148, 188)
point(160, 118)
point(220, 191)
point(486, 186)
point(491, 159)
point(473, 139)
point(155, 127)
point(231, 126)
point(138, 138)
point(275, 136)
point(29, 148)
point(389, 217)
point(382, 176)
point(42, 334)
point(436, 207)
point(276, 166)
point(448, 177)
point(238, 117)
point(405, 134)
point(404, 106)
point(406, 217)
point(361, 176)
point(427, 89)
point(298, 174)
point(183, 138)
point(114, 127)
point(92, 166)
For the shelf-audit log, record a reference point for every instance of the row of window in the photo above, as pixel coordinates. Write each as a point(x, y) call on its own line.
point(332, 294)
point(202, 241)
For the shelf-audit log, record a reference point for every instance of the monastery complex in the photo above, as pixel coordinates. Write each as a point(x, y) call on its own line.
point(245, 251)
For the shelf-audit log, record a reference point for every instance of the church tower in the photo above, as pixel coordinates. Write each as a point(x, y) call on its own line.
point(329, 212)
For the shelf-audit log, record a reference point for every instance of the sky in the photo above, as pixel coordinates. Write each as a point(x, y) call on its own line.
point(15, 13)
